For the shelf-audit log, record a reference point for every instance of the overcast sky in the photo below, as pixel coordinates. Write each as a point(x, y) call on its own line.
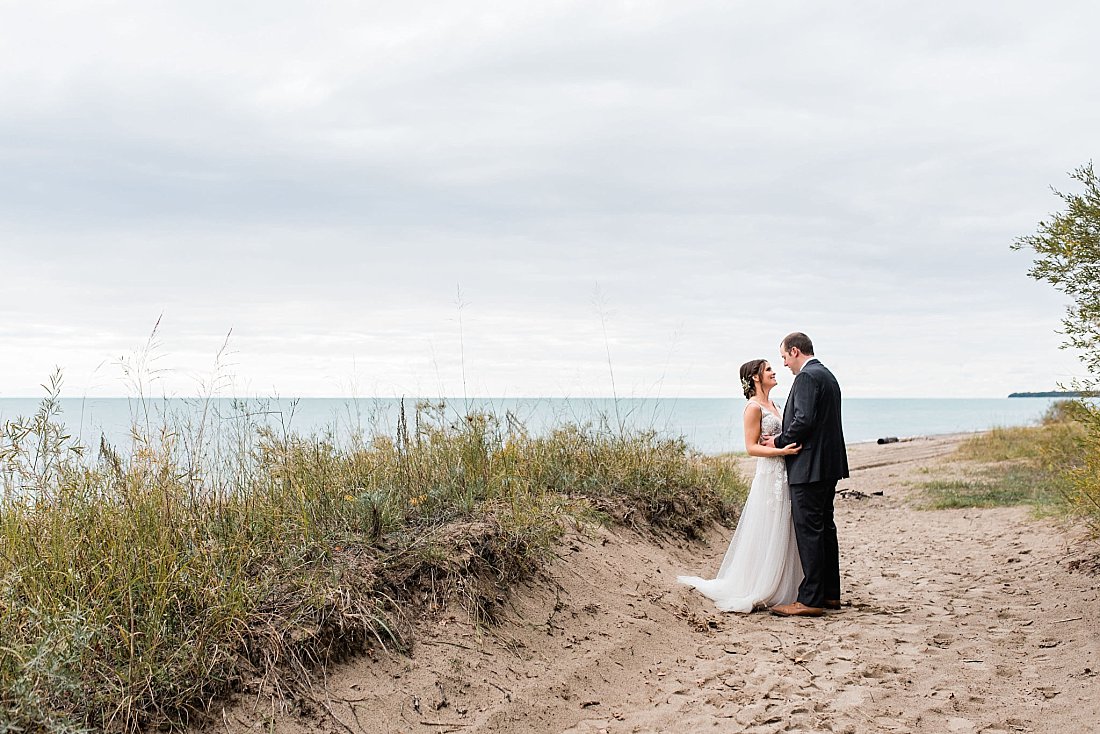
point(503, 198)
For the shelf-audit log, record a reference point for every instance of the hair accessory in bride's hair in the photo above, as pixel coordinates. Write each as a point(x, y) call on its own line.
point(745, 385)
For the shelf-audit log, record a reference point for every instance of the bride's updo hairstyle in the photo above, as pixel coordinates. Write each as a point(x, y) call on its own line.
point(749, 370)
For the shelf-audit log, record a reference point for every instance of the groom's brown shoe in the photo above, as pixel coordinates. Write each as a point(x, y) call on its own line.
point(832, 603)
point(798, 609)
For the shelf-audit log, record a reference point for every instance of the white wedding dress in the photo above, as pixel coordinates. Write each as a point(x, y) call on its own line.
point(761, 567)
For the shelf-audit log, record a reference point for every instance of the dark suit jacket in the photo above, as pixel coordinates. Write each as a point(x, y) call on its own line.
point(812, 419)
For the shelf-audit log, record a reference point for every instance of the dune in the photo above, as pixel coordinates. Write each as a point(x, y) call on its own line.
point(953, 621)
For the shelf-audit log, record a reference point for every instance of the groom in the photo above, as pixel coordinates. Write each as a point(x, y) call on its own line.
point(812, 419)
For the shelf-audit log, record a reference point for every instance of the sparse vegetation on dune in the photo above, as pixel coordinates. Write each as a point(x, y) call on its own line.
point(142, 585)
point(1030, 465)
point(1084, 474)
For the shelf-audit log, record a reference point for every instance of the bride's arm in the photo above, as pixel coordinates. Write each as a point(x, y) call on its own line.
point(752, 436)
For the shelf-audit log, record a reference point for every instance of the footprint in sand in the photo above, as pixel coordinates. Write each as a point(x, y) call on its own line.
point(878, 671)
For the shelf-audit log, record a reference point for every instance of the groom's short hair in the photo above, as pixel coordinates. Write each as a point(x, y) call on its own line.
point(799, 340)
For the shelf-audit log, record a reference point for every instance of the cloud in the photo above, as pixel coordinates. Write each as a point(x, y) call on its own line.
point(322, 179)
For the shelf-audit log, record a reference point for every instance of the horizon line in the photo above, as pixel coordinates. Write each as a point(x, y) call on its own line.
point(518, 397)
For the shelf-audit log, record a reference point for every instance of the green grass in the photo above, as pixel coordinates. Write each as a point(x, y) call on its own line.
point(1015, 466)
point(137, 587)
point(1000, 487)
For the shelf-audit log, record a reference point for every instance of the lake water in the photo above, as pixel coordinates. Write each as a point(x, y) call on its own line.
point(712, 425)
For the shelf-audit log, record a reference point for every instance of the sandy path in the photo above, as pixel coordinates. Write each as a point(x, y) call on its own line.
point(957, 621)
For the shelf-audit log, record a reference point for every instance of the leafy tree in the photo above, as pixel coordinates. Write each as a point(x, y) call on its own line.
point(1067, 249)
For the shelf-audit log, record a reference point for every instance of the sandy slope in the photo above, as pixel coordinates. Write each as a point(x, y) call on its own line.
point(957, 621)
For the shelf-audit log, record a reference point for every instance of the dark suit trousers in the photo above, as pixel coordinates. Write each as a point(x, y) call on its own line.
point(815, 533)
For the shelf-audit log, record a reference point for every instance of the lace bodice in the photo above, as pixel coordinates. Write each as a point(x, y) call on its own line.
point(772, 470)
point(770, 424)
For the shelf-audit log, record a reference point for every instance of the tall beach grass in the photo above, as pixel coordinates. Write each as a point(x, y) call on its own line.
point(138, 586)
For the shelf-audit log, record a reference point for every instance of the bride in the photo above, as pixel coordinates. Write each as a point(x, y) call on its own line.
point(761, 567)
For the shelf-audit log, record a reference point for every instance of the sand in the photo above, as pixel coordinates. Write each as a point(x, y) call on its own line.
point(954, 621)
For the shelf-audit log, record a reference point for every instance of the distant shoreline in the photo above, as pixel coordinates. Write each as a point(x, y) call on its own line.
point(950, 435)
point(1053, 394)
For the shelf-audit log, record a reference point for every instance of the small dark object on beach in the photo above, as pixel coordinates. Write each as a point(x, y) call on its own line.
point(888, 439)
